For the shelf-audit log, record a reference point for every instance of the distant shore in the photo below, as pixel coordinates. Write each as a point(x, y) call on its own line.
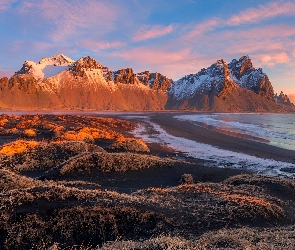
point(196, 132)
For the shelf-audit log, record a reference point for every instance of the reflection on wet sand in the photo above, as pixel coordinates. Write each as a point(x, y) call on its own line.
point(227, 132)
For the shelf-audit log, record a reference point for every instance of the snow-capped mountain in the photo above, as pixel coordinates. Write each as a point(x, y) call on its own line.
point(59, 82)
point(82, 84)
point(46, 67)
point(236, 86)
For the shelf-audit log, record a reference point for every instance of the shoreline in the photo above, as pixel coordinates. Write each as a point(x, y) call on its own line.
point(194, 131)
point(191, 131)
point(215, 149)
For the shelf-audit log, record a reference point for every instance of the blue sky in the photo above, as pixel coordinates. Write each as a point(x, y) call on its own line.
point(173, 37)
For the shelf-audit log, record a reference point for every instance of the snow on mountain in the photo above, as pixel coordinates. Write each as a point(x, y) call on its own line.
point(47, 67)
point(88, 68)
point(206, 80)
point(244, 74)
point(59, 82)
point(214, 78)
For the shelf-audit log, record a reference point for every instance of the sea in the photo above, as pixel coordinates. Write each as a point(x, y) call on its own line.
point(274, 129)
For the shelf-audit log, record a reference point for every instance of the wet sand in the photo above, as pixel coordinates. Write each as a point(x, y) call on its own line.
point(196, 132)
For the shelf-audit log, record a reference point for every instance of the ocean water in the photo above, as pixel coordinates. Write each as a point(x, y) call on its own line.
point(274, 129)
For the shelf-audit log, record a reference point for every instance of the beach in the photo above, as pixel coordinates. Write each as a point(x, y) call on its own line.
point(140, 179)
point(196, 132)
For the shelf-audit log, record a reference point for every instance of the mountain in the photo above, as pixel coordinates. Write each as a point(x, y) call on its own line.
point(59, 82)
point(222, 87)
point(283, 99)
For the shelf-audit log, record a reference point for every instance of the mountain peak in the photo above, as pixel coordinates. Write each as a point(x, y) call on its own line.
point(46, 67)
point(59, 59)
point(244, 74)
point(88, 67)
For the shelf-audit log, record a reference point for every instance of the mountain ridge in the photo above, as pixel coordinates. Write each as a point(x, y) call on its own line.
point(233, 87)
point(59, 82)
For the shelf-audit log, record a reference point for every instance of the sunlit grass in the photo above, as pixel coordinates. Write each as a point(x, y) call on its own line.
point(17, 147)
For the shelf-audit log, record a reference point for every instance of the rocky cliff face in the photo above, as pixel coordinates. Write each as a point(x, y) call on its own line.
point(223, 87)
point(244, 74)
point(154, 81)
point(84, 84)
point(283, 99)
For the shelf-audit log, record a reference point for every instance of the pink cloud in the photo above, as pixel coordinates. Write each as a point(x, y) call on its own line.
point(154, 56)
point(203, 27)
point(263, 32)
point(174, 64)
point(96, 46)
point(254, 15)
point(5, 4)
point(149, 32)
point(259, 40)
point(293, 53)
point(70, 18)
point(271, 60)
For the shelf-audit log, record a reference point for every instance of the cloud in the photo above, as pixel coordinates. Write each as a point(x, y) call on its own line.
point(149, 32)
point(5, 4)
point(97, 45)
point(271, 60)
point(257, 33)
point(172, 63)
point(154, 56)
point(67, 18)
point(204, 27)
point(254, 15)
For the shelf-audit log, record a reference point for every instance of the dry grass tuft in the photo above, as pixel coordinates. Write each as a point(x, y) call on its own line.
point(18, 147)
point(113, 162)
point(154, 243)
point(30, 133)
point(46, 155)
point(129, 145)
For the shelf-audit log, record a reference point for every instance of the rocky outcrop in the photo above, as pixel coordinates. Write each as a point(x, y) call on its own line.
point(244, 74)
point(125, 76)
point(25, 69)
point(283, 99)
point(155, 81)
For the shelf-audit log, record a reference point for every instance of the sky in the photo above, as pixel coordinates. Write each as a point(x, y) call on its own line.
point(173, 37)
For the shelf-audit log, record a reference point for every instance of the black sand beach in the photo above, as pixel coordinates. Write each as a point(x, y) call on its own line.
point(197, 132)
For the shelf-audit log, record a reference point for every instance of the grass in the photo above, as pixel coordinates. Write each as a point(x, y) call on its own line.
point(113, 162)
point(18, 147)
point(69, 212)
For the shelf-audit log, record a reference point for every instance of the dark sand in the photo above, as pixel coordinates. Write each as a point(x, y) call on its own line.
point(196, 132)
